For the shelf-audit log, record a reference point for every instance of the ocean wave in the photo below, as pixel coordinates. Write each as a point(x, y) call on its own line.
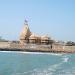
point(54, 69)
point(50, 70)
point(65, 58)
point(22, 52)
point(47, 71)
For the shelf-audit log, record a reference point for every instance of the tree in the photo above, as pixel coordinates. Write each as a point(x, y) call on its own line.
point(70, 43)
point(1, 39)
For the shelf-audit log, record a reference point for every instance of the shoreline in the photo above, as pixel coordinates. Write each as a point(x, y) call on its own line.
point(35, 53)
point(40, 51)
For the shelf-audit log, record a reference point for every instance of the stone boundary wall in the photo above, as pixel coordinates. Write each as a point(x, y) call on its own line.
point(63, 48)
point(58, 47)
point(4, 44)
point(31, 47)
point(69, 48)
point(37, 47)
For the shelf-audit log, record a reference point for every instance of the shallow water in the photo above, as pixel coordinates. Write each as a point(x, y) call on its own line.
point(27, 63)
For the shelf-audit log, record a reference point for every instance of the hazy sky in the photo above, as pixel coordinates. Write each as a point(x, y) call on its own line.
point(53, 17)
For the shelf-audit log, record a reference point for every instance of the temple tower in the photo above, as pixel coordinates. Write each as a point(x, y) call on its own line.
point(25, 34)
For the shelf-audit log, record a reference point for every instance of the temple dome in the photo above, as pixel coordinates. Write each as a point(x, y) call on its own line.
point(45, 37)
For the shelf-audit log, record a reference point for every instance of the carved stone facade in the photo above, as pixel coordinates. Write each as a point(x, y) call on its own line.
point(27, 37)
point(25, 34)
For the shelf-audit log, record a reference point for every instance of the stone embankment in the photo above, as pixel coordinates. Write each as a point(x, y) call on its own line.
point(7, 46)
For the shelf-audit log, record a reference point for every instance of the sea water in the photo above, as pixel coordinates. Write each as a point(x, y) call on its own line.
point(33, 63)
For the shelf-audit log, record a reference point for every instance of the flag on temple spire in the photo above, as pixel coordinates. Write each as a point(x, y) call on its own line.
point(26, 22)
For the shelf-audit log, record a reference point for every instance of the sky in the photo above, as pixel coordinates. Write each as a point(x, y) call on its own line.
point(55, 18)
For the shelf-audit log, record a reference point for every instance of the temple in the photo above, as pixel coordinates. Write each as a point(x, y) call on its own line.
point(26, 36)
point(32, 42)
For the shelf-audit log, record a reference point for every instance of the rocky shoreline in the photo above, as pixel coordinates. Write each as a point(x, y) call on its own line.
point(30, 50)
point(8, 46)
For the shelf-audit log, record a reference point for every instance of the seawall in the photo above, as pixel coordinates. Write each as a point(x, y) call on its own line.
point(8, 46)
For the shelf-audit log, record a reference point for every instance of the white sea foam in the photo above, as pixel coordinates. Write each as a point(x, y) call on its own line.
point(56, 54)
point(48, 71)
point(52, 69)
point(65, 59)
point(6, 51)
